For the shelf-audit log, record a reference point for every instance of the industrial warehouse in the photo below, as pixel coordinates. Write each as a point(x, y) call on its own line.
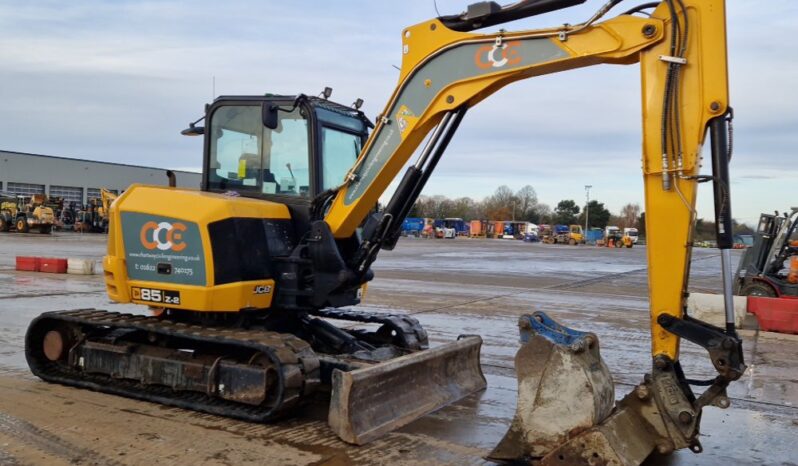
point(77, 180)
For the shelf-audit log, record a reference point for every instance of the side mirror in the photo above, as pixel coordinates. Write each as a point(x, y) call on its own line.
point(269, 115)
point(193, 130)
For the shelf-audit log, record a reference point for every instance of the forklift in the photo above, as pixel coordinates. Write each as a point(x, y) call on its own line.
point(762, 270)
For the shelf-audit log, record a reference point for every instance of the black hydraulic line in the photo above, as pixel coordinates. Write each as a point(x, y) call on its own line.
point(671, 88)
point(718, 131)
point(719, 144)
point(402, 196)
point(639, 8)
point(686, 21)
point(483, 14)
point(402, 200)
point(441, 147)
point(335, 337)
point(675, 105)
point(417, 177)
point(385, 234)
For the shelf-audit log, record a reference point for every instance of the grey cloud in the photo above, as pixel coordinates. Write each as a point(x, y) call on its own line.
point(118, 80)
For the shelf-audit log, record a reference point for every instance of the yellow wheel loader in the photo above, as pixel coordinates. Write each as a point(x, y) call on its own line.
point(245, 274)
point(8, 211)
point(26, 213)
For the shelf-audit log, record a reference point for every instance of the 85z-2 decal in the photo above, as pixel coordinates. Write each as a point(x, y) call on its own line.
point(154, 295)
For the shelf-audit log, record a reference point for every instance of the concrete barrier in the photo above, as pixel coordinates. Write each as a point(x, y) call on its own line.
point(56, 265)
point(710, 309)
point(28, 264)
point(52, 265)
point(80, 266)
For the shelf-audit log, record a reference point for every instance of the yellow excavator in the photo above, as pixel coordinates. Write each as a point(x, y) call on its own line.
point(244, 276)
point(94, 217)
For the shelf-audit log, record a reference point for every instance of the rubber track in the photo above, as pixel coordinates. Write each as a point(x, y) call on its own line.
point(299, 366)
point(415, 335)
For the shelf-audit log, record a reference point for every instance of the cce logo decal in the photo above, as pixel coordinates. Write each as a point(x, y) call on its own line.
point(151, 236)
point(486, 56)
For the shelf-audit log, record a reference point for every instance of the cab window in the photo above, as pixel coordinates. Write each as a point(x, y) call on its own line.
point(339, 152)
point(249, 157)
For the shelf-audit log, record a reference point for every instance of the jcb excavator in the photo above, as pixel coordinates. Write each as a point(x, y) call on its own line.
point(244, 274)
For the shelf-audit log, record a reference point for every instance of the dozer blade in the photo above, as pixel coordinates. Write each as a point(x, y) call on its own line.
point(372, 401)
point(564, 388)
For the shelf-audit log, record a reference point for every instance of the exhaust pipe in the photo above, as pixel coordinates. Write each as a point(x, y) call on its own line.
point(172, 178)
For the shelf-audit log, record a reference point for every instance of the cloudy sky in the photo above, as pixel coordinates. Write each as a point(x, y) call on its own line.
point(117, 80)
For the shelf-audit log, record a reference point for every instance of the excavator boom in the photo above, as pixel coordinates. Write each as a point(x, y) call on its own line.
point(681, 49)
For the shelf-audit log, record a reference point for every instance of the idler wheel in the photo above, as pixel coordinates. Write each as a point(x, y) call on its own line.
point(53, 345)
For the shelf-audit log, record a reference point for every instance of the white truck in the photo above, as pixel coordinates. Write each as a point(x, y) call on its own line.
point(631, 233)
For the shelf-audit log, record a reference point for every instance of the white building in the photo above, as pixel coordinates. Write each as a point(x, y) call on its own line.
point(78, 180)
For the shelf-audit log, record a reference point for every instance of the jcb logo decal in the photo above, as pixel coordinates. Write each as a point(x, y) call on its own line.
point(262, 289)
point(164, 236)
point(496, 56)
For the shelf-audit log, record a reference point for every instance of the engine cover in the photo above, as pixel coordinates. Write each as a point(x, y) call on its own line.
point(194, 250)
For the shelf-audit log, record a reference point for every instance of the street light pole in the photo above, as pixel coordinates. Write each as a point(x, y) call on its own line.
point(587, 205)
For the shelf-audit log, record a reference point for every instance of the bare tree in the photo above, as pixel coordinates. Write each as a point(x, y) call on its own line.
point(527, 199)
point(541, 214)
point(464, 207)
point(501, 204)
point(629, 214)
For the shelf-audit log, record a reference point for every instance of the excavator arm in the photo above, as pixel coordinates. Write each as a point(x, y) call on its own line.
point(446, 72)
point(107, 198)
point(681, 49)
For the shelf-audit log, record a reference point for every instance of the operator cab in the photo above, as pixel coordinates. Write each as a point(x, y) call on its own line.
point(285, 149)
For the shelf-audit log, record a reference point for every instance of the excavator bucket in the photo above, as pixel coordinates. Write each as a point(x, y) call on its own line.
point(564, 388)
point(374, 400)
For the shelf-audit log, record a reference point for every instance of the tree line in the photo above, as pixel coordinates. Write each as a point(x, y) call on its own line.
point(523, 205)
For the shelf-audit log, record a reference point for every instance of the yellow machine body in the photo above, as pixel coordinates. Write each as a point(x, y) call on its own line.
point(155, 230)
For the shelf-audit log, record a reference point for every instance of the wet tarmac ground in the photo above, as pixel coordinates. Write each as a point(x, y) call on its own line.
point(453, 287)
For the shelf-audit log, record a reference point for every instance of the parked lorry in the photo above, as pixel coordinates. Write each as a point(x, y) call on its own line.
point(495, 229)
point(412, 226)
point(532, 233)
point(566, 234)
point(632, 233)
point(478, 229)
point(594, 236)
point(515, 229)
point(459, 226)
